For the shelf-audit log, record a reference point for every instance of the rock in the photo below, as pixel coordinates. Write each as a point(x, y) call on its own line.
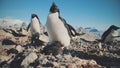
point(48, 64)
point(100, 53)
point(73, 65)
point(5, 65)
point(60, 58)
point(32, 49)
point(55, 64)
point(23, 31)
point(29, 59)
point(4, 58)
point(12, 59)
point(67, 57)
point(7, 47)
point(62, 67)
point(87, 64)
point(89, 36)
point(81, 49)
point(92, 62)
point(100, 45)
point(44, 38)
point(13, 51)
point(51, 58)
point(19, 48)
point(44, 61)
point(8, 42)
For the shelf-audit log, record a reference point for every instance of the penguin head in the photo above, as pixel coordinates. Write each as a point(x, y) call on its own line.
point(113, 27)
point(33, 16)
point(54, 8)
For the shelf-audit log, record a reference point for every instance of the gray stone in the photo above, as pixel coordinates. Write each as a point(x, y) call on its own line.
point(29, 59)
point(4, 58)
point(62, 67)
point(55, 64)
point(67, 57)
point(74, 65)
point(45, 60)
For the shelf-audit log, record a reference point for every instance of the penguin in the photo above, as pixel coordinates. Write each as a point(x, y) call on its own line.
point(58, 29)
point(111, 34)
point(35, 27)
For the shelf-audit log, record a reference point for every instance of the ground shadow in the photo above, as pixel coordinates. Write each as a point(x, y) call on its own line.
point(102, 60)
point(8, 42)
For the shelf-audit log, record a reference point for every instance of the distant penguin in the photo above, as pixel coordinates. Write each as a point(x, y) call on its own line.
point(111, 34)
point(35, 27)
point(58, 29)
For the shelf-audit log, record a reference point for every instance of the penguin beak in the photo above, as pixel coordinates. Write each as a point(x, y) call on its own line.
point(118, 27)
point(54, 8)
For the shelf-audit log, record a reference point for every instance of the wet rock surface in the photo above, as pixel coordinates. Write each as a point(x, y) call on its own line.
point(80, 54)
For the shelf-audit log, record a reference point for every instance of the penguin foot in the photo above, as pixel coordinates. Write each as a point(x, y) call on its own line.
point(53, 48)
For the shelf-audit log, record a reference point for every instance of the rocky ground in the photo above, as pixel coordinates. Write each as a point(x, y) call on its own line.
point(18, 52)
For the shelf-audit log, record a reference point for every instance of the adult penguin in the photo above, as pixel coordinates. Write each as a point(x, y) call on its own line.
point(35, 27)
point(58, 29)
point(111, 34)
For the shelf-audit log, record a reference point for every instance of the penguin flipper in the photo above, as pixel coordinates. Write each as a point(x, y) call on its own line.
point(71, 30)
point(116, 36)
point(65, 24)
point(28, 27)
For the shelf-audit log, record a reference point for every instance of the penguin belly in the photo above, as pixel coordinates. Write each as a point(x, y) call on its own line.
point(115, 34)
point(112, 36)
point(35, 27)
point(57, 31)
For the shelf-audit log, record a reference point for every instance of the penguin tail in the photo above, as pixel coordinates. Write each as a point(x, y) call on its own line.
point(28, 27)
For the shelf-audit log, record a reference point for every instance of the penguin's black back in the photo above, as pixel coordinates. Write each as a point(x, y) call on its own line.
point(69, 28)
point(107, 32)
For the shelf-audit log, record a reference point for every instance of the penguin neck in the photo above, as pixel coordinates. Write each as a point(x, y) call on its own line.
point(56, 14)
point(113, 30)
point(35, 20)
point(110, 30)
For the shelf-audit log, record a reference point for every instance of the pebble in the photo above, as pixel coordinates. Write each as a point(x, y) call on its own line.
point(19, 48)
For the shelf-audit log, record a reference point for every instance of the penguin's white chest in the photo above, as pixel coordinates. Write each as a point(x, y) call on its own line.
point(112, 36)
point(57, 31)
point(35, 26)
